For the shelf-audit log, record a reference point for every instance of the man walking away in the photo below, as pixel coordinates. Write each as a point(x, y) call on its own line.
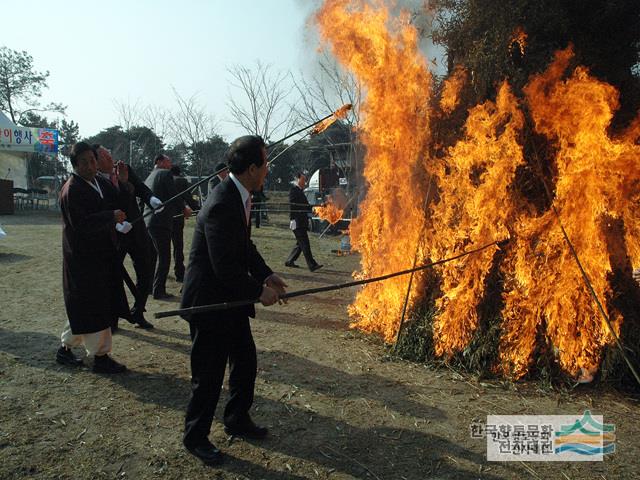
point(299, 210)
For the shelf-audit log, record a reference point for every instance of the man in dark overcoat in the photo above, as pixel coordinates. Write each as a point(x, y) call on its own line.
point(92, 279)
point(224, 265)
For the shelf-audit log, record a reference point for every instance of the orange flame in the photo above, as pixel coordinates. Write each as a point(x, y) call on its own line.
point(450, 96)
point(477, 207)
point(596, 179)
point(329, 212)
point(383, 52)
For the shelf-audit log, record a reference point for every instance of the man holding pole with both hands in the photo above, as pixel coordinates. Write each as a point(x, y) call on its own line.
point(224, 265)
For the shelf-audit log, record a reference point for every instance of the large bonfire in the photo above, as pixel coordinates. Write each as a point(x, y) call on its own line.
point(421, 207)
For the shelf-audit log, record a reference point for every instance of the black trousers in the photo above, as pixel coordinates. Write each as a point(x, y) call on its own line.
point(143, 256)
point(302, 246)
point(161, 238)
point(214, 342)
point(177, 238)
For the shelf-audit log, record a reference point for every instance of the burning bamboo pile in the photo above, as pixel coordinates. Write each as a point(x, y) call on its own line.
point(527, 301)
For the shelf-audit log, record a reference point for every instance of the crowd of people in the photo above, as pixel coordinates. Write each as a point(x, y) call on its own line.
point(102, 223)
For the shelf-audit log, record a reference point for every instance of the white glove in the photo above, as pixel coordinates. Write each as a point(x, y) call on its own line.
point(156, 204)
point(292, 225)
point(124, 227)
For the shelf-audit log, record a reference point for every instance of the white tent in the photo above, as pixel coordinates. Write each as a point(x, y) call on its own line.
point(13, 164)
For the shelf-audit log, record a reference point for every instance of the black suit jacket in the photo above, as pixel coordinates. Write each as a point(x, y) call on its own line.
point(224, 264)
point(137, 189)
point(299, 207)
point(160, 182)
point(185, 199)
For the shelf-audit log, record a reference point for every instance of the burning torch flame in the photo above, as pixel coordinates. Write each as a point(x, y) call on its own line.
point(329, 212)
point(338, 114)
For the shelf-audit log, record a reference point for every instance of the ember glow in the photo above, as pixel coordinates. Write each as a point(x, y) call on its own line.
point(596, 179)
point(518, 41)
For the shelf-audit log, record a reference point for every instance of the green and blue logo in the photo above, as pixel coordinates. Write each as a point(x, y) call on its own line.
point(586, 436)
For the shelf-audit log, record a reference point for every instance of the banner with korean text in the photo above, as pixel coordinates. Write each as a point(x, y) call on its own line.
point(25, 139)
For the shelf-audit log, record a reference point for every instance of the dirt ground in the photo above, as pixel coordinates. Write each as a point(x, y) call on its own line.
point(337, 405)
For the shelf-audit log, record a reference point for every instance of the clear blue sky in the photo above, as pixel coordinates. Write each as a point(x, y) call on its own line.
point(136, 50)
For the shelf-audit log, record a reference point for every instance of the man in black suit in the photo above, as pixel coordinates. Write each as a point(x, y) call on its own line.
point(224, 265)
point(137, 243)
point(160, 182)
point(299, 210)
point(187, 205)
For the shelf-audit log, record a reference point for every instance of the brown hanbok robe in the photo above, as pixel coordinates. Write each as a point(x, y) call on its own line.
point(91, 271)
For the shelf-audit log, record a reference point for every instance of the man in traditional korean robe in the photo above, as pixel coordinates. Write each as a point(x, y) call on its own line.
point(92, 278)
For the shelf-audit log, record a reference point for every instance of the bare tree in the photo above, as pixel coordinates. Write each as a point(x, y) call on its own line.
point(157, 119)
point(128, 113)
point(326, 91)
point(191, 125)
point(260, 103)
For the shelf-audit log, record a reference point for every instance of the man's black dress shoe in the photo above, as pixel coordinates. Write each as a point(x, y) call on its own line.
point(290, 265)
point(207, 452)
point(315, 267)
point(141, 322)
point(247, 430)
point(106, 364)
point(64, 356)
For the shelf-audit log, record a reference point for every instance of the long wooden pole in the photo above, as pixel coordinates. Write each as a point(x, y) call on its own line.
point(241, 303)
